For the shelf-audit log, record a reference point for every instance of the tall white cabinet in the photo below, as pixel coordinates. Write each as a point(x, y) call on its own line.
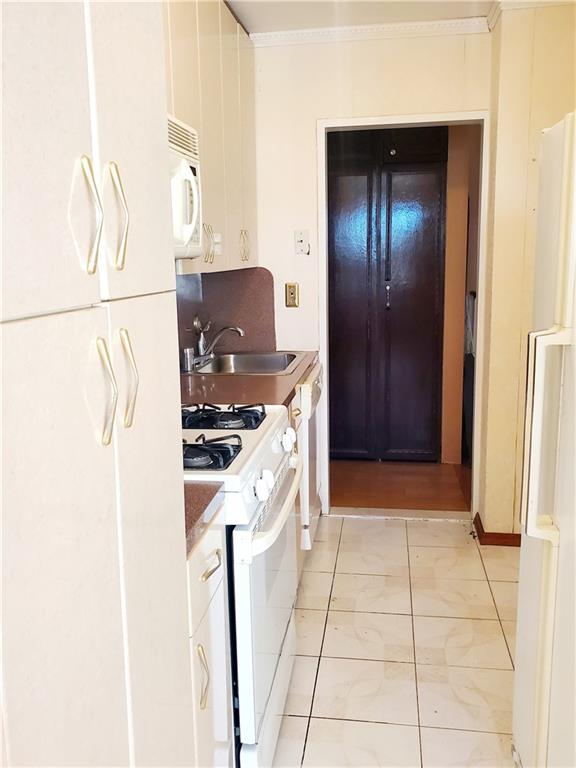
point(96, 663)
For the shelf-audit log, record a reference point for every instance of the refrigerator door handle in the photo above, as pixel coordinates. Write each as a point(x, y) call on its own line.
point(539, 526)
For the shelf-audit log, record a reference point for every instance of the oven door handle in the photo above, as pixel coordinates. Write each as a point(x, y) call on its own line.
point(264, 540)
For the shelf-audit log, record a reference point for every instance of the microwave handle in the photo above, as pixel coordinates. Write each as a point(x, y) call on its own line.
point(264, 540)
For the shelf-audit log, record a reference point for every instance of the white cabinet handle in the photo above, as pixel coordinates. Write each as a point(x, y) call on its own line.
point(88, 171)
point(120, 259)
point(210, 571)
point(539, 524)
point(204, 661)
point(129, 352)
point(102, 347)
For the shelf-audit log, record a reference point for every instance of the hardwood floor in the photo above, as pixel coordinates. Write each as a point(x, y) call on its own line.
point(396, 485)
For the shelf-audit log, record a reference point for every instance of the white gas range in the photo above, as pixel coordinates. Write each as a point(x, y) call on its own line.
point(251, 450)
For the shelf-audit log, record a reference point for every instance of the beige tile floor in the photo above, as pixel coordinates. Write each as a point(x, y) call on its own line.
point(405, 649)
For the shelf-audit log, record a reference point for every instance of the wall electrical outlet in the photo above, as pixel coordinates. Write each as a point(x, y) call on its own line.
point(301, 242)
point(292, 294)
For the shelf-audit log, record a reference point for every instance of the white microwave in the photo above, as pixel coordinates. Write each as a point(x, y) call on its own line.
point(185, 189)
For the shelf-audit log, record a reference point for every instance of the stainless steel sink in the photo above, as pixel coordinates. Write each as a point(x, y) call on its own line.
point(261, 363)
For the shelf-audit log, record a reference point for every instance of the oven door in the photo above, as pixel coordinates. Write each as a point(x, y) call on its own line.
point(265, 584)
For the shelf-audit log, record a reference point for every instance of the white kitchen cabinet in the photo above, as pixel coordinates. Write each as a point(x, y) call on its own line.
point(49, 216)
point(64, 695)
point(232, 140)
point(130, 144)
point(211, 683)
point(248, 146)
point(212, 139)
point(206, 566)
point(131, 147)
point(184, 62)
point(144, 348)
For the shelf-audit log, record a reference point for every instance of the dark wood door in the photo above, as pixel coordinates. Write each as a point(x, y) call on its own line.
point(386, 245)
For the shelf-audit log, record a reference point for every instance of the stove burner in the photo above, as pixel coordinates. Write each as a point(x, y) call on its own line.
point(228, 420)
point(211, 454)
point(209, 416)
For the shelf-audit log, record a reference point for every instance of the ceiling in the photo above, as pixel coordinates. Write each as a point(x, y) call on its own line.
point(284, 15)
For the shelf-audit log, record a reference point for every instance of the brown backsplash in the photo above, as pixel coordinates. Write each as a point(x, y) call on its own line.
point(242, 297)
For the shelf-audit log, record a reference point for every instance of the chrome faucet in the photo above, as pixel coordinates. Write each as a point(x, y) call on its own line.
point(205, 348)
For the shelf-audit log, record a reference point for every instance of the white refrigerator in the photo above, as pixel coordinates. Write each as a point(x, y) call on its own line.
point(544, 720)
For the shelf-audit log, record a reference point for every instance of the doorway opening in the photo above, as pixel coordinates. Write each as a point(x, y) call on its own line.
point(402, 244)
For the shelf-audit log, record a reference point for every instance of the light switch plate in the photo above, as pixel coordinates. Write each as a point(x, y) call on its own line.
point(292, 294)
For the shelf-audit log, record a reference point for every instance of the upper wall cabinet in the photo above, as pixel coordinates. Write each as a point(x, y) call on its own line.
point(248, 127)
point(182, 45)
point(86, 189)
point(213, 91)
point(232, 138)
point(131, 144)
point(212, 138)
point(50, 211)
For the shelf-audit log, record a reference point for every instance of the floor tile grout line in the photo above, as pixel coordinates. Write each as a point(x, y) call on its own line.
point(321, 648)
point(498, 614)
point(407, 663)
point(414, 650)
point(407, 725)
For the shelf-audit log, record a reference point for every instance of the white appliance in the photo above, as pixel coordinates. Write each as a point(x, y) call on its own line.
point(261, 485)
point(545, 690)
point(185, 189)
point(306, 401)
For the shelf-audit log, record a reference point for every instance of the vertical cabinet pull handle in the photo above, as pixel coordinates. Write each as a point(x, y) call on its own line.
point(212, 245)
point(102, 347)
point(208, 248)
point(204, 661)
point(129, 352)
point(120, 260)
point(88, 171)
point(210, 571)
point(247, 246)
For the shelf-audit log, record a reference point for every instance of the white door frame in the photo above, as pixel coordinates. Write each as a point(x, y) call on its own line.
point(478, 117)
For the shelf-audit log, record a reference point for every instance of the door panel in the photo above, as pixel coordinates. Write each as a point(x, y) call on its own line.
point(151, 496)
point(410, 309)
point(48, 215)
point(386, 254)
point(130, 102)
point(64, 692)
point(350, 214)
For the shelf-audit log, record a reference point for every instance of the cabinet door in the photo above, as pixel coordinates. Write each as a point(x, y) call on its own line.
point(48, 215)
point(248, 145)
point(131, 131)
point(184, 61)
point(144, 343)
point(64, 696)
point(212, 690)
point(211, 136)
point(233, 243)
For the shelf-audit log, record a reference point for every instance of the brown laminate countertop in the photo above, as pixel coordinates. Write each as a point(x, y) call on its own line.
point(243, 388)
point(201, 502)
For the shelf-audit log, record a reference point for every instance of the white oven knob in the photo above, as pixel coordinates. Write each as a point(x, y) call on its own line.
point(289, 439)
point(261, 490)
point(268, 477)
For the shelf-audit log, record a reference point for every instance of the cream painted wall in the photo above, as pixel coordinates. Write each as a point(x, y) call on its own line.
point(300, 84)
point(533, 86)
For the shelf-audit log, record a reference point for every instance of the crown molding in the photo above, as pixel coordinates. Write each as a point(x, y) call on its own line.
point(497, 8)
point(473, 26)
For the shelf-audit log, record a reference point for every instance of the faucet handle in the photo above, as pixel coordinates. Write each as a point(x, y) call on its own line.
point(198, 327)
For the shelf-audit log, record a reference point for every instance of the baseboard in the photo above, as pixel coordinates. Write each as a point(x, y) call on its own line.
point(495, 539)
